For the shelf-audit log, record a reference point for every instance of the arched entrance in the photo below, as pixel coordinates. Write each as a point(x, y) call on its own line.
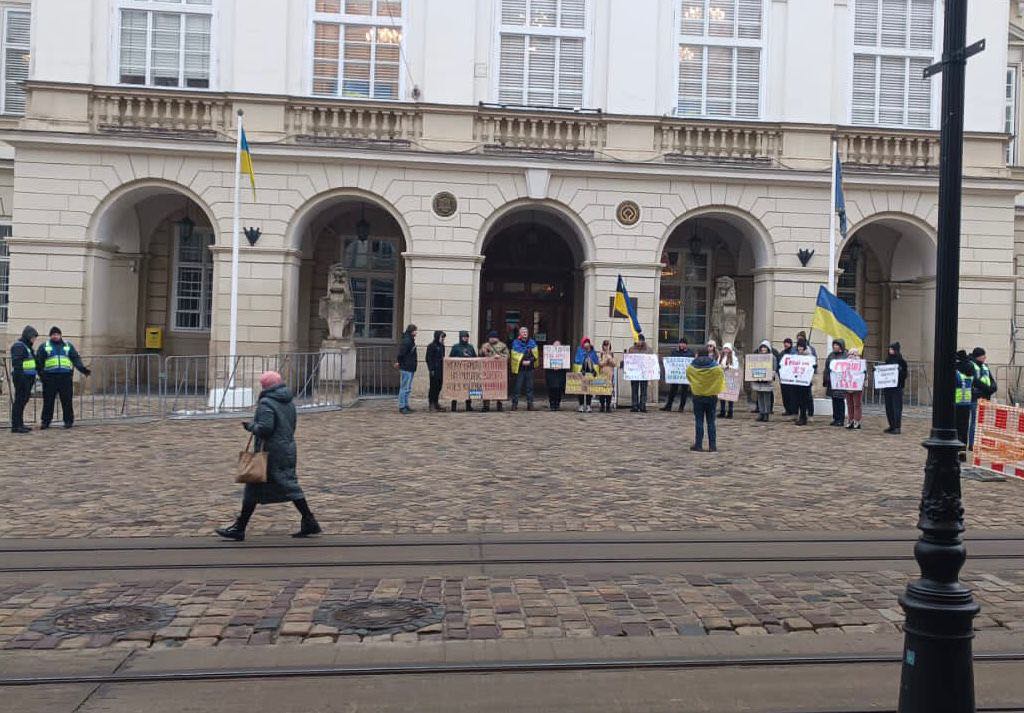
point(887, 273)
point(531, 278)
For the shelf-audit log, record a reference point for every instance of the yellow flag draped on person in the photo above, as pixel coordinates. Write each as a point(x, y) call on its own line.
point(623, 307)
point(838, 320)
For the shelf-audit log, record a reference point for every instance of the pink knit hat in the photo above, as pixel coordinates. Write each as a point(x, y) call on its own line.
point(270, 379)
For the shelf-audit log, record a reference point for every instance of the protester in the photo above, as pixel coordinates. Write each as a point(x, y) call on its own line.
point(524, 358)
point(607, 364)
point(729, 362)
point(854, 399)
point(586, 361)
point(57, 359)
point(435, 366)
point(803, 394)
point(894, 397)
point(788, 401)
point(493, 347)
point(406, 365)
point(838, 397)
point(707, 381)
point(712, 348)
point(638, 389)
point(554, 379)
point(462, 350)
point(273, 428)
point(763, 389)
point(983, 386)
point(814, 353)
point(23, 374)
point(683, 390)
point(964, 398)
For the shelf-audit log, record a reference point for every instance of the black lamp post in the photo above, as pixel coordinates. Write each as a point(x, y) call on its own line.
point(938, 674)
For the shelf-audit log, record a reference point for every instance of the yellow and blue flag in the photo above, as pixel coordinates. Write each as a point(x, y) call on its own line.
point(623, 307)
point(838, 320)
point(247, 167)
point(840, 198)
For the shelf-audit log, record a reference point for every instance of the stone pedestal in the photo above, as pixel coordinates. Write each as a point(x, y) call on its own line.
point(338, 363)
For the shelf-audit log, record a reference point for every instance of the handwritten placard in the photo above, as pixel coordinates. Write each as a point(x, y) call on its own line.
point(848, 374)
point(675, 369)
point(759, 367)
point(887, 376)
point(641, 367)
point(588, 385)
point(797, 369)
point(480, 378)
point(556, 357)
point(733, 384)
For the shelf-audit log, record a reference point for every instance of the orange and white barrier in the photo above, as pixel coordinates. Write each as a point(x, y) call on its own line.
point(999, 439)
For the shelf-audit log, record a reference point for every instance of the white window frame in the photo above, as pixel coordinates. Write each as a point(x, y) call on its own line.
point(679, 39)
point(1011, 105)
point(371, 275)
point(342, 19)
point(175, 263)
point(5, 258)
point(586, 34)
point(931, 55)
point(3, 56)
point(180, 7)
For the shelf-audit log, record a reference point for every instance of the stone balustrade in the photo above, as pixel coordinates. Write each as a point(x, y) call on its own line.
point(891, 148)
point(718, 141)
point(539, 131)
point(140, 110)
point(329, 120)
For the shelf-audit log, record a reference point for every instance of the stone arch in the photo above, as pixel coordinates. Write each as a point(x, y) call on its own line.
point(585, 247)
point(750, 227)
point(130, 195)
point(296, 233)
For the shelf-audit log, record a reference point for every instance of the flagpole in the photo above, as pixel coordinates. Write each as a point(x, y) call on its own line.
point(832, 233)
point(236, 229)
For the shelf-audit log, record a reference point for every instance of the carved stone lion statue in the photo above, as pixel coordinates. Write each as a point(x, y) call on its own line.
point(337, 308)
point(727, 319)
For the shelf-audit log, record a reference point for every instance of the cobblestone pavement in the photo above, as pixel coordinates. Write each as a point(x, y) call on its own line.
point(234, 613)
point(370, 470)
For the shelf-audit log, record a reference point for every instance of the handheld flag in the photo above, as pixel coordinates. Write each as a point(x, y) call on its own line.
point(247, 167)
point(838, 319)
point(623, 307)
point(840, 198)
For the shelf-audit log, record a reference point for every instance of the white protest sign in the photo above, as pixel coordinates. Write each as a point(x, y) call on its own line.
point(641, 367)
point(848, 374)
point(556, 357)
point(887, 376)
point(796, 369)
point(675, 369)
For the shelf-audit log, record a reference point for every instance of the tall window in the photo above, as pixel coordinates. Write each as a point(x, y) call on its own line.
point(372, 266)
point(683, 302)
point(16, 36)
point(1011, 114)
point(720, 44)
point(542, 57)
point(357, 48)
point(193, 280)
point(5, 273)
point(893, 44)
point(846, 282)
point(166, 43)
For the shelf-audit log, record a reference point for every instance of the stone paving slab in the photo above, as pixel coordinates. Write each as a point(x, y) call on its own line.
point(293, 612)
point(369, 470)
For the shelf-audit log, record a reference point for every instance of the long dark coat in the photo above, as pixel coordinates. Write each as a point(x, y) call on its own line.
point(274, 429)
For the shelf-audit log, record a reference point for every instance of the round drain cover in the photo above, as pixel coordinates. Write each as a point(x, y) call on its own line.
point(105, 619)
point(381, 616)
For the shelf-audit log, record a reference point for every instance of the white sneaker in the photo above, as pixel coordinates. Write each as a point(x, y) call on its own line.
point(580, 409)
point(588, 409)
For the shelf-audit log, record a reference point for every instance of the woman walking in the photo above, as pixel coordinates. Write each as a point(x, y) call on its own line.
point(729, 362)
point(586, 361)
point(763, 390)
point(607, 364)
point(273, 427)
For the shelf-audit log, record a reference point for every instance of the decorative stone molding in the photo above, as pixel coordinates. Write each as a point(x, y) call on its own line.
point(445, 204)
point(627, 213)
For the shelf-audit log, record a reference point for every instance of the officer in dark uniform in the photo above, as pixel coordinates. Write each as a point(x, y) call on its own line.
point(56, 360)
point(23, 374)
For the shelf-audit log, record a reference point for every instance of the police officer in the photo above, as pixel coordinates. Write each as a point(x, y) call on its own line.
point(23, 373)
point(964, 397)
point(983, 387)
point(57, 359)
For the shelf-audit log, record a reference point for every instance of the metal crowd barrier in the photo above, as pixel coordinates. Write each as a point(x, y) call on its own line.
point(917, 391)
point(376, 373)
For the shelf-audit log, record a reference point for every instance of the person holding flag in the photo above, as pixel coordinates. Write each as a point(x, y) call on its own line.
point(524, 358)
point(623, 306)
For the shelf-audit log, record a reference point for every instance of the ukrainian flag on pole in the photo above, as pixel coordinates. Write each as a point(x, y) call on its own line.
point(839, 320)
point(623, 307)
point(247, 167)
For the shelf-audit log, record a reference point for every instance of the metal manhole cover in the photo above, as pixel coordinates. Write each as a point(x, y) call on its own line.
point(105, 619)
point(380, 616)
point(371, 487)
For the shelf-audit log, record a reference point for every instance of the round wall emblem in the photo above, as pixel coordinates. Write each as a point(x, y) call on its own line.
point(628, 213)
point(445, 204)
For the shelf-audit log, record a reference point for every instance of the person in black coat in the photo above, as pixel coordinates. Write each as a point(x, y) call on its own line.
point(789, 407)
point(435, 366)
point(56, 361)
point(405, 362)
point(462, 350)
point(554, 379)
point(23, 374)
point(894, 397)
point(683, 390)
point(273, 429)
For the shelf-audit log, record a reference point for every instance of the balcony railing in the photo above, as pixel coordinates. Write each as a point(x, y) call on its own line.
point(334, 121)
point(140, 110)
point(900, 149)
point(541, 132)
point(718, 141)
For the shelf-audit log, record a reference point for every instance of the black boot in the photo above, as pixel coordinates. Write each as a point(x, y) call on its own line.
point(308, 527)
point(232, 532)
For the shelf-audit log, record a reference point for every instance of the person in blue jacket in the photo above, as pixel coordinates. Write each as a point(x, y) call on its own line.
point(586, 361)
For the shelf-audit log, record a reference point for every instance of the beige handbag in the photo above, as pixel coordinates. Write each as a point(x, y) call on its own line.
point(252, 466)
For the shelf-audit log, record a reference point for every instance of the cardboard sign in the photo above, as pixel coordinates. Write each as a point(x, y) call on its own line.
point(887, 376)
point(675, 369)
point(557, 357)
point(641, 367)
point(475, 379)
point(797, 369)
point(759, 367)
point(588, 385)
point(733, 384)
point(848, 374)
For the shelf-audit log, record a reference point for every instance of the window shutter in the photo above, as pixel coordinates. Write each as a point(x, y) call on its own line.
point(133, 46)
point(511, 69)
point(543, 13)
point(865, 23)
point(893, 90)
point(691, 84)
point(573, 14)
point(513, 12)
point(166, 44)
point(748, 82)
point(919, 102)
point(721, 20)
point(922, 24)
point(540, 82)
point(692, 18)
point(749, 19)
point(197, 51)
point(570, 73)
point(326, 48)
point(719, 81)
point(864, 88)
point(17, 43)
point(894, 24)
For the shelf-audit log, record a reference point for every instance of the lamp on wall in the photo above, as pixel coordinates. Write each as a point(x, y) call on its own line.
point(186, 226)
point(362, 226)
point(804, 255)
point(696, 244)
point(252, 235)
